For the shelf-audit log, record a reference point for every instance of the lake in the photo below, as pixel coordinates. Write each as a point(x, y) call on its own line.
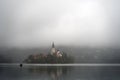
point(60, 72)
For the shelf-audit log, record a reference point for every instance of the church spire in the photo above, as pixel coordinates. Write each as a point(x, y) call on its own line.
point(53, 50)
point(53, 46)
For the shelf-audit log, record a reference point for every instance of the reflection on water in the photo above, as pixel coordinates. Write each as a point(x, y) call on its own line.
point(60, 73)
point(55, 72)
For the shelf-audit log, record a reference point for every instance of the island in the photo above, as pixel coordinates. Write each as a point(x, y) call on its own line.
point(53, 57)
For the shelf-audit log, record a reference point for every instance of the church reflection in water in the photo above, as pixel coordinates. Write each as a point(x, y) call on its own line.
point(55, 72)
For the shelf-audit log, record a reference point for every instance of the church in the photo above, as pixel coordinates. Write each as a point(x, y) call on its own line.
point(55, 52)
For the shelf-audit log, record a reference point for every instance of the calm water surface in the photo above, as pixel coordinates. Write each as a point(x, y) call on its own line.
point(14, 72)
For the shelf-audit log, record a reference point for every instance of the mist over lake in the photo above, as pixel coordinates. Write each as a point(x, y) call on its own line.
point(87, 30)
point(37, 35)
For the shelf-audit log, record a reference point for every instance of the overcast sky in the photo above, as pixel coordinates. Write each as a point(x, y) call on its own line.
point(34, 23)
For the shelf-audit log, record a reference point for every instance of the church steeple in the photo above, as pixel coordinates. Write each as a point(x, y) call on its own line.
point(53, 50)
point(53, 46)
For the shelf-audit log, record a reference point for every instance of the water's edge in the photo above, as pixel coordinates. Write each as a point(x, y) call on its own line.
point(85, 64)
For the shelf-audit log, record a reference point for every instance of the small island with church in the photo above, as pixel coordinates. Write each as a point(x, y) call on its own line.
point(53, 57)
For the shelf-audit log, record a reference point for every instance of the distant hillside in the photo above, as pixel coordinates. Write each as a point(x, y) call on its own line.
point(5, 59)
point(81, 54)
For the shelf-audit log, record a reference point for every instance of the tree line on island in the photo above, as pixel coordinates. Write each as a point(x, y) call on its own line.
point(42, 58)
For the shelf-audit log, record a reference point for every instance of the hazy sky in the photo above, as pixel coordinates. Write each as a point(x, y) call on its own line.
point(33, 23)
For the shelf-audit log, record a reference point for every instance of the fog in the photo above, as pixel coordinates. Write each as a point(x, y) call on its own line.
point(36, 23)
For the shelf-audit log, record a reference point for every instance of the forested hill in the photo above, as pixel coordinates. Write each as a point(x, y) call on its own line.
point(82, 55)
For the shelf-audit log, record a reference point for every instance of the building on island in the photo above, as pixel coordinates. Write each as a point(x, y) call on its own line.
point(55, 52)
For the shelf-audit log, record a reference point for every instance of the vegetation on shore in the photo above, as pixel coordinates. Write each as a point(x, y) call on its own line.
point(42, 58)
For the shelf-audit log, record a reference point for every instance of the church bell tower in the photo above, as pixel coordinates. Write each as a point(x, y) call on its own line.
point(53, 50)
